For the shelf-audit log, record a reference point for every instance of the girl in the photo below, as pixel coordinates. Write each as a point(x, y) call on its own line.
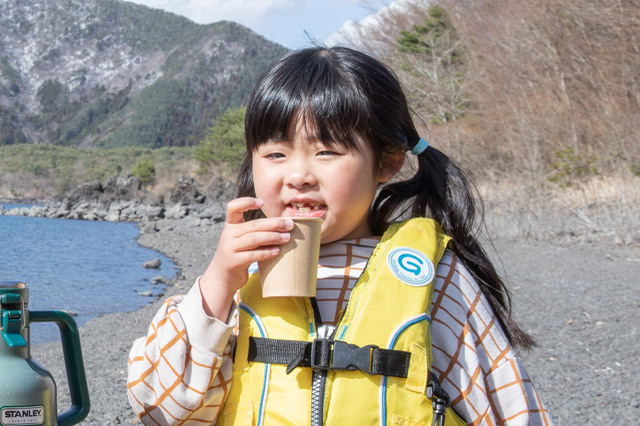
point(411, 323)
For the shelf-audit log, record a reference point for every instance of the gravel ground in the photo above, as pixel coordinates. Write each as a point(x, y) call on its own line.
point(578, 300)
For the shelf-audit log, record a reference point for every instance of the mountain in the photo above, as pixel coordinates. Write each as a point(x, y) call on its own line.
point(109, 73)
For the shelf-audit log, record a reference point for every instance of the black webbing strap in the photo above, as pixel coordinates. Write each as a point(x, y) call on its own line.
point(325, 354)
point(439, 398)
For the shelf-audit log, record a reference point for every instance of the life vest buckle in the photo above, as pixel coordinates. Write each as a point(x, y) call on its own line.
point(347, 356)
point(338, 355)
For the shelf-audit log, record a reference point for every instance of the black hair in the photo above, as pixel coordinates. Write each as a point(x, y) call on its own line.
point(346, 95)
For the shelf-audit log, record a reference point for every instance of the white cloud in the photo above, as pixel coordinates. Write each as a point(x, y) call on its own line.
point(246, 12)
point(351, 30)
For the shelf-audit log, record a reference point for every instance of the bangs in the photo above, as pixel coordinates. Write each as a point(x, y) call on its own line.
point(309, 88)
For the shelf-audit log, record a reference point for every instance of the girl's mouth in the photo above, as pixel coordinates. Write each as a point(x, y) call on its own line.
point(306, 209)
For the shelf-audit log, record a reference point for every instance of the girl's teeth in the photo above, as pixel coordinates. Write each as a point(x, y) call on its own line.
point(306, 208)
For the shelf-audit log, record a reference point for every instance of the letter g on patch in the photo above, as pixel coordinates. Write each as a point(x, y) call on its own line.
point(410, 266)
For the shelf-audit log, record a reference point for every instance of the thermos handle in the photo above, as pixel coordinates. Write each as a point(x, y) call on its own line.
point(72, 351)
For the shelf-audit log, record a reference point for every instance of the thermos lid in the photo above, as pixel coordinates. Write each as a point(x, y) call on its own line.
point(13, 284)
point(15, 287)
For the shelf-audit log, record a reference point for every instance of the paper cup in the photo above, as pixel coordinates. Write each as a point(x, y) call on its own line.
point(293, 273)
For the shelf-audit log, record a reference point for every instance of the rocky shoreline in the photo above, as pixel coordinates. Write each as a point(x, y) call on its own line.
point(123, 199)
point(578, 301)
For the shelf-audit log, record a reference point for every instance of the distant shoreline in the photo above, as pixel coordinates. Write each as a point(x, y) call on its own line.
point(30, 201)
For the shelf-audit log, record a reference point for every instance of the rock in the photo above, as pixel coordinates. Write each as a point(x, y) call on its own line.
point(125, 188)
point(62, 210)
point(148, 212)
point(186, 192)
point(149, 228)
point(221, 191)
point(145, 293)
point(36, 211)
point(18, 211)
point(113, 214)
point(159, 279)
point(86, 192)
point(95, 214)
point(213, 212)
point(206, 222)
point(177, 211)
point(152, 264)
point(128, 212)
point(193, 222)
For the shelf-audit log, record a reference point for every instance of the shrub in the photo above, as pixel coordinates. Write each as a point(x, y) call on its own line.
point(571, 166)
point(224, 142)
point(145, 170)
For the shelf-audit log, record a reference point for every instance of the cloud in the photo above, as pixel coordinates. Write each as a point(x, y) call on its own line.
point(246, 12)
point(352, 30)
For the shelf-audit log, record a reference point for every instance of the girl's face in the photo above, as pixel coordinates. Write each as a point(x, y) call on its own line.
point(301, 176)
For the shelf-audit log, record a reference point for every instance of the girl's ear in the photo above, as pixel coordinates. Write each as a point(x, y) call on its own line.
point(390, 165)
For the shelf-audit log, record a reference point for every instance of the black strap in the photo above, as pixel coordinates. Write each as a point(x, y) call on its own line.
point(325, 354)
point(439, 398)
point(316, 312)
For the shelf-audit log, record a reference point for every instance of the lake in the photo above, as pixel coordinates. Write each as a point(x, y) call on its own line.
point(88, 268)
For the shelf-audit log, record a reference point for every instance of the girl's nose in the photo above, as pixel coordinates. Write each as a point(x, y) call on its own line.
point(300, 174)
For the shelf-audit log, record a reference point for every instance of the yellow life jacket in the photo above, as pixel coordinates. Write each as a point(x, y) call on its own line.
point(388, 308)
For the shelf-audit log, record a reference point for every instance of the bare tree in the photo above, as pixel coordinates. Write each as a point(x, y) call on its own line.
point(540, 78)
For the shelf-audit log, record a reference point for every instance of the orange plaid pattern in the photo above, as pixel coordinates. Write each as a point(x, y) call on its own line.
point(486, 381)
point(171, 381)
point(181, 371)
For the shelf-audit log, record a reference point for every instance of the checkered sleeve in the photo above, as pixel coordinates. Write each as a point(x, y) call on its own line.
point(181, 371)
point(484, 377)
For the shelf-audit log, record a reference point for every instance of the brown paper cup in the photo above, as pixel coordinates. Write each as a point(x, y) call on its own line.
point(293, 272)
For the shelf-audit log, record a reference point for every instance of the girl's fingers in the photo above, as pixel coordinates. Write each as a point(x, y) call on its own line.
point(259, 240)
point(237, 207)
point(242, 243)
point(260, 254)
point(276, 224)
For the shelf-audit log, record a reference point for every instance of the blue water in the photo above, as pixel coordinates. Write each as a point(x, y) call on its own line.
point(89, 268)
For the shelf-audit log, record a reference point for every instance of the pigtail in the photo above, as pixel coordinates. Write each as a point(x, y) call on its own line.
point(441, 190)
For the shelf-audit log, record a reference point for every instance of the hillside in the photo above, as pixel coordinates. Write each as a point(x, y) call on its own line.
point(108, 73)
point(538, 89)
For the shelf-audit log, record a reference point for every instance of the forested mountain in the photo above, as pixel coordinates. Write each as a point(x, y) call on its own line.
point(109, 73)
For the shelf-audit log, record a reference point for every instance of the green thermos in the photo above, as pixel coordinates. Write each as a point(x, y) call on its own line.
point(27, 389)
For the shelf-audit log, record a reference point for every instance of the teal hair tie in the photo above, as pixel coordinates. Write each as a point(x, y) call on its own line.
point(420, 147)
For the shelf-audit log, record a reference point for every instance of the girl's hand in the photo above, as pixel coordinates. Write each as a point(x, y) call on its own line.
point(241, 243)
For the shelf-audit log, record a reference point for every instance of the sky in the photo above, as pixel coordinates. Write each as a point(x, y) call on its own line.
point(281, 21)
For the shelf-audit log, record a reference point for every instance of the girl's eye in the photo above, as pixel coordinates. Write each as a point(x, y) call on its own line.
point(327, 153)
point(274, 155)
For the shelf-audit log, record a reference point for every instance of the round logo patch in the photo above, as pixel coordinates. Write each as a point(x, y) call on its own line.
point(410, 266)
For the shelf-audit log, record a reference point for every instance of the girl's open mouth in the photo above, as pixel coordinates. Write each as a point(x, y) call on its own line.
point(306, 209)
